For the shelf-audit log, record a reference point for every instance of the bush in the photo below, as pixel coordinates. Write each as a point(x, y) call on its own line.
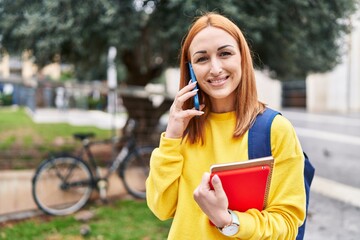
point(5, 100)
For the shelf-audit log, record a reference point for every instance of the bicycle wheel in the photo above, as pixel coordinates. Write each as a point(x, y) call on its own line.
point(135, 170)
point(62, 185)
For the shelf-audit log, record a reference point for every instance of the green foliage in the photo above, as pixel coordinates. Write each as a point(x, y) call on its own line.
point(5, 99)
point(290, 38)
point(293, 38)
point(121, 220)
point(66, 76)
point(97, 104)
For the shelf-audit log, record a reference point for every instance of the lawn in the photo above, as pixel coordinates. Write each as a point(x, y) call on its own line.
point(23, 143)
point(122, 219)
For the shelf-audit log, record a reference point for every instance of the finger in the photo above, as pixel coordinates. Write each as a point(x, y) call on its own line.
point(188, 95)
point(219, 191)
point(216, 182)
point(205, 179)
point(203, 187)
point(181, 99)
point(187, 88)
point(188, 114)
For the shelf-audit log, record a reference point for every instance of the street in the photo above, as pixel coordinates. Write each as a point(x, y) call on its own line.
point(332, 143)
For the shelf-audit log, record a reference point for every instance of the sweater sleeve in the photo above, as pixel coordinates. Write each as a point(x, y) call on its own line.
point(285, 210)
point(162, 184)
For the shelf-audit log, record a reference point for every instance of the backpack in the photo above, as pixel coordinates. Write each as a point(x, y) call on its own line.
point(260, 146)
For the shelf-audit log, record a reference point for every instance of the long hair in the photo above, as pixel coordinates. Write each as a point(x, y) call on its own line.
point(247, 105)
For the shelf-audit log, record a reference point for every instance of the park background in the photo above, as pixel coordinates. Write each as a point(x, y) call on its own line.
point(60, 55)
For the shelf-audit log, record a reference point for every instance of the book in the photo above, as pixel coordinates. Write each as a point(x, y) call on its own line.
point(245, 183)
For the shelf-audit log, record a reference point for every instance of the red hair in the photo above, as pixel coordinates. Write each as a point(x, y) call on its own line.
point(247, 106)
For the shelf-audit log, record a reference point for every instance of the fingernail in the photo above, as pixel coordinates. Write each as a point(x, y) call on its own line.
point(215, 179)
point(192, 82)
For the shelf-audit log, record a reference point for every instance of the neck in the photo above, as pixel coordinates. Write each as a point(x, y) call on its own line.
point(222, 105)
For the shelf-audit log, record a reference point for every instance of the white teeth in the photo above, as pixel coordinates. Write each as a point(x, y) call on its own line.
point(217, 80)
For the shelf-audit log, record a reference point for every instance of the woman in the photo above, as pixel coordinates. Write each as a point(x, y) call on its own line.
point(178, 184)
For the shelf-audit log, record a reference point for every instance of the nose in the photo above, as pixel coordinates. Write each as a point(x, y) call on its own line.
point(216, 67)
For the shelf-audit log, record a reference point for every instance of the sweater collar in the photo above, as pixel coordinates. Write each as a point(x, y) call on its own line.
point(222, 116)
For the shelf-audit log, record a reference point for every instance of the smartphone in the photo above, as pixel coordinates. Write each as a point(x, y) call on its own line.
point(193, 79)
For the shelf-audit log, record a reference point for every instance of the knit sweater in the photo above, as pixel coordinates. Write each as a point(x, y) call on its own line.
point(176, 169)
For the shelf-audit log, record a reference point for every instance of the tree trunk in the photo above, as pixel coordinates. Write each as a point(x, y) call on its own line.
point(142, 109)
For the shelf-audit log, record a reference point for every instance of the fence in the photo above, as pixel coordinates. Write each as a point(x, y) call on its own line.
point(53, 94)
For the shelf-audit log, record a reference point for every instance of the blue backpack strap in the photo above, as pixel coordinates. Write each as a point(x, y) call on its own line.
point(309, 173)
point(259, 145)
point(259, 139)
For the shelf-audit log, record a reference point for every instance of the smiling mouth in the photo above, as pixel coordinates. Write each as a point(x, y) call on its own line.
point(218, 80)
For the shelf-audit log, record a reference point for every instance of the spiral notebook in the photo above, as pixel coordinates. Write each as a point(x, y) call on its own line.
point(245, 183)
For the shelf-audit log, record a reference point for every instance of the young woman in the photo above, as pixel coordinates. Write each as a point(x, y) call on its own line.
point(178, 186)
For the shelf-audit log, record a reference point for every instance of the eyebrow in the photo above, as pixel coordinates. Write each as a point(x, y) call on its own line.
point(220, 48)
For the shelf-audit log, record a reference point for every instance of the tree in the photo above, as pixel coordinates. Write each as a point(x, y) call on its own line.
point(289, 38)
point(295, 38)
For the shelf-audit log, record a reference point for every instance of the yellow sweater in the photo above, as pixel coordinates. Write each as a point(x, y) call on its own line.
point(176, 168)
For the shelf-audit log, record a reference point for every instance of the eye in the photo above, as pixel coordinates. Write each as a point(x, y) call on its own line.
point(201, 59)
point(225, 54)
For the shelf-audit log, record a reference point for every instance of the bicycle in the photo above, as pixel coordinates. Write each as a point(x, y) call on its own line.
point(64, 183)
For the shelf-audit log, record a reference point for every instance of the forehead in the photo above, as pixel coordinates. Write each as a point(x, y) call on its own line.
point(211, 38)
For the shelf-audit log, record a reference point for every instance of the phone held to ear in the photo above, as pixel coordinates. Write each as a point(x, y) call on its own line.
point(193, 79)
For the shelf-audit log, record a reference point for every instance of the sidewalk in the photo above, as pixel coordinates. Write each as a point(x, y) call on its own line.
point(331, 219)
point(16, 193)
point(78, 117)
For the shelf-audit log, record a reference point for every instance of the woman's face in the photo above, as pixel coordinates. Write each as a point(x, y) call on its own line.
point(216, 61)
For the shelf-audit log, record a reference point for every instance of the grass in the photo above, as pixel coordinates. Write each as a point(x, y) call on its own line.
point(123, 219)
point(23, 141)
point(17, 120)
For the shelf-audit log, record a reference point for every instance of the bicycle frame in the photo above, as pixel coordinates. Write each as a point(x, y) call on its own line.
point(77, 172)
point(128, 144)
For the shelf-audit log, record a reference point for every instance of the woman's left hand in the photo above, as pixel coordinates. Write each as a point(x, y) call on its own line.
point(213, 202)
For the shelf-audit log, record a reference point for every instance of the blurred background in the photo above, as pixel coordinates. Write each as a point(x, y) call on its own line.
point(68, 66)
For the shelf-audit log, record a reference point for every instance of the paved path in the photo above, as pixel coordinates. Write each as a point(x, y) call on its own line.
point(332, 141)
point(77, 117)
point(16, 197)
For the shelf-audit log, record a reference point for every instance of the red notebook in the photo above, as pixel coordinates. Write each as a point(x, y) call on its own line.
point(247, 183)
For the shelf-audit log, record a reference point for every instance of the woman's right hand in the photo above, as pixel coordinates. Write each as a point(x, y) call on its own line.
point(178, 117)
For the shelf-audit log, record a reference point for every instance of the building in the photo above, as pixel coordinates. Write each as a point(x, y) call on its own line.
point(339, 90)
